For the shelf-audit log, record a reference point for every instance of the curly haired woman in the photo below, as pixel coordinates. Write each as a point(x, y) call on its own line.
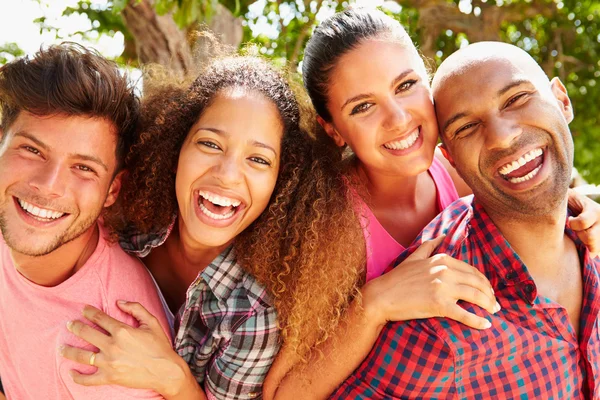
point(230, 203)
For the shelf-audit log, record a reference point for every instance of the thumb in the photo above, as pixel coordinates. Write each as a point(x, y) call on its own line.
point(137, 311)
point(425, 249)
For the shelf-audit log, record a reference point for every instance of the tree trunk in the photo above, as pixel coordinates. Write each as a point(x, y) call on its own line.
point(157, 38)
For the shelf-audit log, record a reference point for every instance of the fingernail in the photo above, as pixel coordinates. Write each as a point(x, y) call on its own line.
point(492, 289)
point(69, 325)
point(487, 324)
point(121, 302)
point(61, 349)
point(498, 308)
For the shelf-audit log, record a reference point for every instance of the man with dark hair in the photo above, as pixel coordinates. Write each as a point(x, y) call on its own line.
point(504, 125)
point(68, 116)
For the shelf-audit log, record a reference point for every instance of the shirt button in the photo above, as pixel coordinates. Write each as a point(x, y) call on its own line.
point(253, 395)
point(511, 275)
point(529, 288)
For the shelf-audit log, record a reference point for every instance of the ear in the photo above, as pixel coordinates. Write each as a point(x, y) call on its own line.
point(331, 131)
point(114, 189)
point(446, 154)
point(560, 92)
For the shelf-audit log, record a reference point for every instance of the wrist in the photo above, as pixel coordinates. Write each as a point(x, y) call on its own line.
point(175, 378)
point(372, 309)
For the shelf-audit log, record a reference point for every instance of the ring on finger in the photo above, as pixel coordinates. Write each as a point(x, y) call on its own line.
point(92, 359)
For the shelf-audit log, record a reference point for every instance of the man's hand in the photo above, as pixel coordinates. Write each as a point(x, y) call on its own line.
point(585, 222)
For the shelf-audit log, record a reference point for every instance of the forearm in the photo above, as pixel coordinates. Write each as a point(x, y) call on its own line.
point(342, 354)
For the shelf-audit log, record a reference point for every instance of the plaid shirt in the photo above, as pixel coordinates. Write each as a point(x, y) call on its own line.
point(530, 352)
point(227, 329)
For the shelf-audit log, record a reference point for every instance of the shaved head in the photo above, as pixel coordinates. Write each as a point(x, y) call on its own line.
point(504, 125)
point(476, 54)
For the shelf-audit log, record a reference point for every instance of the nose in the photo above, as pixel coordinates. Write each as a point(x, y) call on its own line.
point(49, 180)
point(396, 114)
point(230, 170)
point(501, 132)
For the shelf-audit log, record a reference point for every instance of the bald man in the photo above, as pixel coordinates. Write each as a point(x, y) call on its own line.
point(504, 126)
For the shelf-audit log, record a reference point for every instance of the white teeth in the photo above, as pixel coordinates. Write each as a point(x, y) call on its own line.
point(510, 167)
point(403, 144)
point(526, 177)
point(219, 200)
point(39, 212)
point(212, 215)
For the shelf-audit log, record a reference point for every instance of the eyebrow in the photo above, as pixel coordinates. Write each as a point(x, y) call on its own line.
point(511, 85)
point(41, 144)
point(32, 138)
point(454, 118)
point(500, 92)
point(255, 143)
point(367, 95)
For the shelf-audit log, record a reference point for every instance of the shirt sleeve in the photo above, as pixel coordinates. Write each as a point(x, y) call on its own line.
point(408, 361)
point(241, 364)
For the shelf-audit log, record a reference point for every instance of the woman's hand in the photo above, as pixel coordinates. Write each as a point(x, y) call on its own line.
point(585, 222)
point(141, 358)
point(425, 287)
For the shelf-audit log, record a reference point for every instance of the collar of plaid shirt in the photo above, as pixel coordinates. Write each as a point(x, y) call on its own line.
point(531, 351)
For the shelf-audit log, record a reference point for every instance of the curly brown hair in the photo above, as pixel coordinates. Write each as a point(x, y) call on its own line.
point(307, 247)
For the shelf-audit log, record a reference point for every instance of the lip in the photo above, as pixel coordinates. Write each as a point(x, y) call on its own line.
point(541, 176)
point(415, 146)
point(218, 223)
point(25, 216)
point(509, 159)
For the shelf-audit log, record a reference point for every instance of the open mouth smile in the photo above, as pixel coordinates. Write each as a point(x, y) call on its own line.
point(38, 213)
point(524, 168)
point(405, 143)
point(217, 207)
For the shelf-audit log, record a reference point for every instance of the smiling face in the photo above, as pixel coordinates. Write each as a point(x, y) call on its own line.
point(228, 166)
point(381, 106)
point(508, 138)
point(56, 176)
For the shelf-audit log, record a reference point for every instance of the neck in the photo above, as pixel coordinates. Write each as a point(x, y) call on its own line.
point(56, 267)
point(391, 189)
point(189, 253)
point(539, 241)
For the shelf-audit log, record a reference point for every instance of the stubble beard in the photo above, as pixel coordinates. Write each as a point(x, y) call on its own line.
point(70, 234)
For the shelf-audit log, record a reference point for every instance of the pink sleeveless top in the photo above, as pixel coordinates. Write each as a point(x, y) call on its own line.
point(382, 248)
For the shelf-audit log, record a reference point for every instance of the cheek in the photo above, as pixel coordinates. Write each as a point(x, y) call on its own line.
point(261, 189)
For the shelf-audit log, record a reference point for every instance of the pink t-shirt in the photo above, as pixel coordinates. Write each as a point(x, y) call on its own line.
point(33, 323)
point(382, 248)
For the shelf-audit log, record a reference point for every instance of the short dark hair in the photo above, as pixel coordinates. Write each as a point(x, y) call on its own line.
point(336, 36)
point(69, 79)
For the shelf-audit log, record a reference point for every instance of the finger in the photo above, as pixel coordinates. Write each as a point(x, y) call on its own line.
point(459, 314)
point(139, 312)
point(89, 334)
point(585, 220)
point(591, 238)
point(470, 275)
point(425, 249)
point(476, 296)
point(575, 201)
point(95, 379)
point(101, 319)
point(79, 355)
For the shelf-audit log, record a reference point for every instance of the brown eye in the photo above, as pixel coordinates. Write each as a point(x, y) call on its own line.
point(362, 107)
point(209, 144)
point(406, 85)
point(513, 99)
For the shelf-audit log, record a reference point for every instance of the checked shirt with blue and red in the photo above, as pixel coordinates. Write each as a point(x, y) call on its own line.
point(530, 352)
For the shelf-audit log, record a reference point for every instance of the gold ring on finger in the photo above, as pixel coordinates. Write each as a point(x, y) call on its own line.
point(92, 359)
